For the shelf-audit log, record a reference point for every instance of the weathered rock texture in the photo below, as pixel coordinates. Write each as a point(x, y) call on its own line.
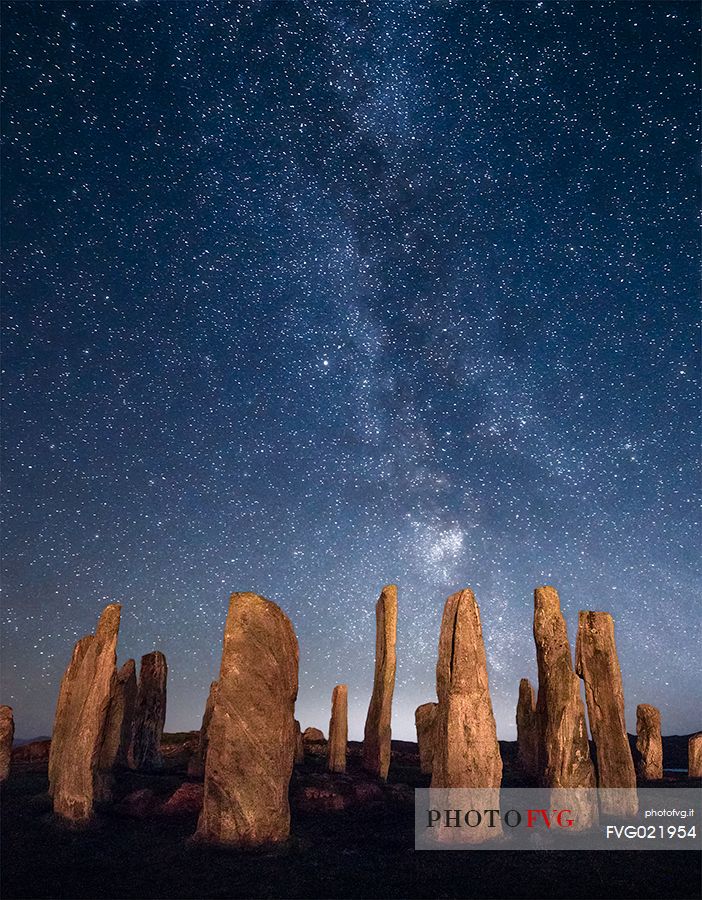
point(376, 736)
point(299, 745)
point(649, 742)
point(313, 736)
point(76, 780)
point(424, 718)
point(694, 756)
point(252, 730)
point(7, 734)
point(466, 752)
point(120, 718)
point(150, 712)
point(338, 730)
point(565, 761)
point(596, 662)
point(196, 764)
point(527, 730)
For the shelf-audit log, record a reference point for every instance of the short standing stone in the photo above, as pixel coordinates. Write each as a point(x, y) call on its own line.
point(598, 665)
point(76, 779)
point(466, 752)
point(649, 742)
point(313, 736)
point(7, 733)
point(694, 756)
point(196, 763)
point(252, 731)
point(424, 717)
point(299, 745)
point(566, 762)
point(527, 730)
point(150, 712)
point(338, 730)
point(377, 735)
point(120, 718)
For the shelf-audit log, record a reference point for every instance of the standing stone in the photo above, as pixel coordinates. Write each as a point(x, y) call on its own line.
point(694, 756)
point(299, 745)
point(466, 752)
point(566, 762)
point(424, 718)
point(649, 742)
point(527, 730)
point(597, 664)
point(338, 730)
point(376, 736)
point(150, 713)
point(252, 730)
point(196, 763)
point(76, 779)
point(7, 734)
point(120, 718)
point(64, 702)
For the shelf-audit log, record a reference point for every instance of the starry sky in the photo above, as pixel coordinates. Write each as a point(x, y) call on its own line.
point(308, 297)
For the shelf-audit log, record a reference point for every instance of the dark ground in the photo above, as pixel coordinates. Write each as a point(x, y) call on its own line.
point(363, 851)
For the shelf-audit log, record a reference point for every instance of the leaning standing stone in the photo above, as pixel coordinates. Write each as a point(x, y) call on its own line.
point(694, 756)
point(598, 665)
point(649, 742)
point(424, 718)
point(566, 762)
point(252, 731)
point(376, 736)
point(150, 713)
point(338, 730)
point(7, 734)
point(466, 752)
point(527, 730)
point(76, 779)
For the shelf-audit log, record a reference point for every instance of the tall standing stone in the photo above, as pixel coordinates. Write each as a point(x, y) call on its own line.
point(252, 730)
point(76, 778)
point(694, 756)
point(338, 730)
point(527, 730)
point(150, 712)
point(466, 752)
point(7, 734)
point(424, 718)
point(196, 764)
point(376, 735)
point(120, 718)
point(649, 742)
point(566, 762)
point(596, 662)
point(64, 703)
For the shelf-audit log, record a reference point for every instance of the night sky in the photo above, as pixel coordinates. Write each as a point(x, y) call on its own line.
point(308, 297)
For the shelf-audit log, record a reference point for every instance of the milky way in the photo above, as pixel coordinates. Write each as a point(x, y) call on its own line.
point(308, 297)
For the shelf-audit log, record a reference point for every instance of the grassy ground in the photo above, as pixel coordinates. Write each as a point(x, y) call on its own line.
point(364, 852)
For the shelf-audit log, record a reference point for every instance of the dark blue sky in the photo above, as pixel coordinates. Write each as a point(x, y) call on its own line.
point(306, 297)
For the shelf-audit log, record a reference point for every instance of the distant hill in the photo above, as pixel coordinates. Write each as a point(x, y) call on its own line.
point(674, 746)
point(20, 742)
